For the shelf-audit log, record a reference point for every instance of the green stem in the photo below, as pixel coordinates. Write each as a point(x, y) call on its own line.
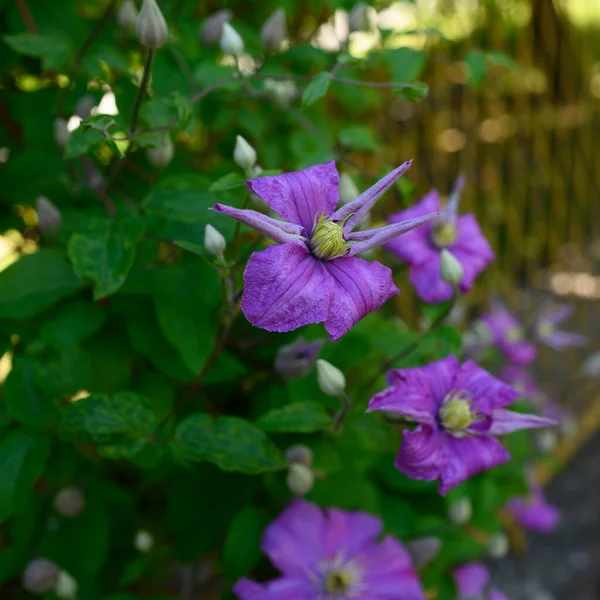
point(142, 90)
point(340, 416)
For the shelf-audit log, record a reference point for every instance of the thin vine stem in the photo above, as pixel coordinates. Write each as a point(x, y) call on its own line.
point(143, 90)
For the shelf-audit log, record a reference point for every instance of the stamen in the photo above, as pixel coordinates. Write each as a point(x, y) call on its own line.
point(327, 239)
point(444, 234)
point(456, 415)
point(514, 334)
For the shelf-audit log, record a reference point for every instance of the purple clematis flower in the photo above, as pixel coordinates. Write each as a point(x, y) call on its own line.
point(459, 410)
point(422, 248)
point(313, 275)
point(546, 331)
point(508, 335)
point(533, 512)
point(332, 555)
point(472, 580)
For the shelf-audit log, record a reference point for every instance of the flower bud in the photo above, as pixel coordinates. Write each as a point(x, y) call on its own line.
point(150, 25)
point(61, 132)
point(69, 502)
point(451, 270)
point(546, 440)
point(244, 154)
point(212, 28)
point(40, 576)
point(300, 479)
point(296, 360)
point(348, 189)
point(127, 15)
point(423, 551)
point(160, 157)
point(330, 379)
point(358, 17)
point(66, 587)
point(460, 511)
point(497, 545)
point(274, 31)
point(143, 541)
point(49, 217)
point(214, 242)
point(299, 454)
point(84, 106)
point(281, 91)
point(230, 41)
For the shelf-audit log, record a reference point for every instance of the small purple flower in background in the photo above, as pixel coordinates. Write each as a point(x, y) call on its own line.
point(313, 274)
point(546, 331)
point(459, 409)
point(422, 248)
point(533, 512)
point(296, 360)
point(520, 378)
point(471, 583)
point(509, 335)
point(332, 555)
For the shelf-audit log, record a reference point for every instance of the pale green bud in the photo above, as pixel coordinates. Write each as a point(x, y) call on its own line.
point(299, 454)
point(69, 502)
point(231, 41)
point(348, 189)
point(127, 15)
point(330, 379)
point(40, 576)
point(143, 541)
point(214, 242)
point(460, 512)
point(61, 132)
point(244, 154)
point(66, 586)
point(49, 217)
point(274, 31)
point(281, 91)
point(212, 28)
point(423, 550)
point(160, 157)
point(546, 440)
point(150, 25)
point(451, 270)
point(300, 479)
point(498, 545)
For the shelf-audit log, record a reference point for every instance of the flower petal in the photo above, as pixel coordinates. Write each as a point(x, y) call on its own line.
point(497, 595)
point(285, 288)
point(428, 282)
point(349, 532)
point(486, 391)
point(362, 205)
point(389, 573)
point(278, 231)
point(413, 401)
point(564, 339)
point(471, 579)
point(534, 514)
point(301, 195)
point(507, 421)
point(359, 288)
point(420, 455)
point(284, 588)
point(454, 198)
point(294, 541)
point(365, 240)
point(557, 314)
point(467, 456)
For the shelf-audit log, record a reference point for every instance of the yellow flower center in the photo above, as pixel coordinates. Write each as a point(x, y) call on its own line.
point(514, 334)
point(444, 234)
point(546, 329)
point(338, 582)
point(456, 415)
point(327, 239)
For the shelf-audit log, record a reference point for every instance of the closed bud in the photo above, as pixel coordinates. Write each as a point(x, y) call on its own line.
point(69, 502)
point(212, 28)
point(348, 189)
point(460, 512)
point(244, 154)
point(299, 454)
point(274, 31)
point(49, 217)
point(256, 170)
point(281, 91)
point(40, 576)
point(214, 242)
point(451, 270)
point(160, 157)
point(546, 440)
point(330, 379)
point(127, 15)
point(231, 41)
point(66, 586)
point(150, 25)
point(359, 18)
point(497, 545)
point(300, 479)
point(143, 541)
point(423, 551)
point(61, 132)
point(84, 106)
point(296, 360)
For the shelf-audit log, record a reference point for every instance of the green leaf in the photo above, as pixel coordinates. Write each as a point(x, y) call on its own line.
point(406, 64)
point(34, 283)
point(241, 549)
point(299, 417)
point(316, 89)
point(73, 322)
point(358, 137)
point(232, 444)
point(414, 92)
point(105, 252)
point(89, 134)
point(231, 181)
point(106, 420)
point(53, 49)
point(185, 300)
point(171, 111)
point(22, 459)
point(476, 67)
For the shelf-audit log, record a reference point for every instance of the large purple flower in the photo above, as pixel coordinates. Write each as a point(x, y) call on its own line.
point(313, 275)
point(332, 555)
point(472, 580)
point(546, 330)
point(459, 410)
point(422, 248)
point(508, 335)
point(533, 512)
